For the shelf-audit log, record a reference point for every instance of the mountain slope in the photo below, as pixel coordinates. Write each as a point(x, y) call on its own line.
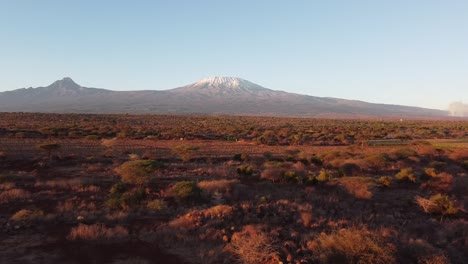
point(216, 95)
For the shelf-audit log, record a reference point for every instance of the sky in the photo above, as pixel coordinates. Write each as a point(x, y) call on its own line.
point(396, 51)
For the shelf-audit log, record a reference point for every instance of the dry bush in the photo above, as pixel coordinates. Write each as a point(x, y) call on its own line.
point(273, 174)
point(13, 195)
point(90, 188)
point(252, 246)
point(441, 182)
point(97, 232)
point(7, 186)
point(138, 171)
point(422, 252)
point(438, 204)
point(406, 174)
point(459, 154)
point(74, 183)
point(26, 215)
point(402, 153)
point(216, 185)
point(385, 181)
point(351, 246)
point(196, 218)
point(156, 205)
point(307, 218)
point(358, 187)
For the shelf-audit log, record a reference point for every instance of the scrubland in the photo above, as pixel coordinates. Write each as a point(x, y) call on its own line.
point(201, 189)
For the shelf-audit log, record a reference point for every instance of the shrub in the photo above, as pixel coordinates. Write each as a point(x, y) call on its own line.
point(359, 187)
point(156, 205)
point(241, 157)
point(431, 172)
point(403, 153)
point(186, 190)
point(324, 176)
point(385, 181)
point(92, 137)
point(376, 161)
point(216, 185)
point(272, 174)
point(185, 152)
point(26, 215)
point(406, 174)
point(252, 246)
point(131, 198)
point(97, 232)
point(268, 155)
point(13, 195)
point(138, 171)
point(245, 170)
point(351, 246)
point(118, 188)
point(438, 204)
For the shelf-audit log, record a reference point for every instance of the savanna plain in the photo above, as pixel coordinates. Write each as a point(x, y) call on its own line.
point(82, 188)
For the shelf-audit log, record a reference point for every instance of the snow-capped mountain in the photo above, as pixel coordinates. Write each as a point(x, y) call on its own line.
point(214, 95)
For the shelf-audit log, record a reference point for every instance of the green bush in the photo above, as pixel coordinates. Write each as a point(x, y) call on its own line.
point(138, 171)
point(245, 170)
point(406, 174)
point(185, 191)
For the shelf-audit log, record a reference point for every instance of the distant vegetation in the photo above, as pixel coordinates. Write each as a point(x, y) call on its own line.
point(199, 189)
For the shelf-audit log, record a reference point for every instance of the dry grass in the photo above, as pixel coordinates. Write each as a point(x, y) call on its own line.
point(13, 195)
point(195, 218)
point(7, 186)
point(359, 187)
point(97, 232)
point(252, 246)
point(74, 183)
point(216, 185)
point(352, 245)
point(24, 215)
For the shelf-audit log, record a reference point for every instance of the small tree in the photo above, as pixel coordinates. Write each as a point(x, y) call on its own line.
point(185, 152)
point(186, 190)
point(138, 171)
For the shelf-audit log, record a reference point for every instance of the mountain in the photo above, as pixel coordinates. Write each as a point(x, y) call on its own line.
point(215, 95)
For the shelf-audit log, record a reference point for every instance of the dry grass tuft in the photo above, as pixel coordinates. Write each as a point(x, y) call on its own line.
point(252, 246)
point(359, 187)
point(216, 185)
point(97, 232)
point(351, 246)
point(13, 195)
point(25, 215)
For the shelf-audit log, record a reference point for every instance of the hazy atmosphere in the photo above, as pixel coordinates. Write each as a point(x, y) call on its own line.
point(395, 52)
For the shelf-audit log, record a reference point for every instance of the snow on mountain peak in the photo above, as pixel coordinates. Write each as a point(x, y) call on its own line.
point(227, 82)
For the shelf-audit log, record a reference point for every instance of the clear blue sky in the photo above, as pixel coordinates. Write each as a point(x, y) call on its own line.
point(396, 51)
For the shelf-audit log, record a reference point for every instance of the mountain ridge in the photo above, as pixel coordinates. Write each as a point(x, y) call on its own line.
point(212, 95)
